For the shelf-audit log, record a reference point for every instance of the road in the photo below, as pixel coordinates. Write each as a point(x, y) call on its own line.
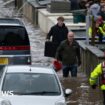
point(82, 93)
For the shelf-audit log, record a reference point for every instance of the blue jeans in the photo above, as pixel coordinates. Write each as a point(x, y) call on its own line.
point(71, 68)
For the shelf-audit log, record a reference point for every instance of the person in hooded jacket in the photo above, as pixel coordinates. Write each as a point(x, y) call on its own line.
point(95, 9)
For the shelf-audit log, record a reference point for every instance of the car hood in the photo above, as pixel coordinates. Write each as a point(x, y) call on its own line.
point(34, 100)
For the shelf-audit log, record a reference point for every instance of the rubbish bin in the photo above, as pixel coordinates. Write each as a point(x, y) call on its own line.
point(77, 17)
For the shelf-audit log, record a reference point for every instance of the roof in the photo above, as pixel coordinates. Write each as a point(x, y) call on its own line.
point(28, 69)
point(10, 22)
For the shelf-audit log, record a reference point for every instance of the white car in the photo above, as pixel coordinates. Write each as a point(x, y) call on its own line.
point(4, 102)
point(31, 85)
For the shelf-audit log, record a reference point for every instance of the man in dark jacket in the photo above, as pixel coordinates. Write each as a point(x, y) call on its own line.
point(58, 31)
point(68, 53)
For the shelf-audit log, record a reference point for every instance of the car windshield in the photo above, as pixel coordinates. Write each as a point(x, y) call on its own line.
point(31, 84)
point(10, 36)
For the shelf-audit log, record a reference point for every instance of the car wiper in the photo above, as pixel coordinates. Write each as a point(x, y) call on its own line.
point(42, 93)
point(19, 93)
point(37, 93)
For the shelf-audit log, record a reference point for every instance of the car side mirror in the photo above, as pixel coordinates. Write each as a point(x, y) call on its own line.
point(67, 92)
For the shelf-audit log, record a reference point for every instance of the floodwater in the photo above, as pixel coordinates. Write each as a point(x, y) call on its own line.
point(82, 93)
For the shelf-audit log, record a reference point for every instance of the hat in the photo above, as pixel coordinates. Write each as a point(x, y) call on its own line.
point(57, 65)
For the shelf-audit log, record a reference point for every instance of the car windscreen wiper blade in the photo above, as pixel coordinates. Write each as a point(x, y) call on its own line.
point(19, 93)
point(42, 93)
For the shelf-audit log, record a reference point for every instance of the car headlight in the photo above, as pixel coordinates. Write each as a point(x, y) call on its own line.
point(5, 102)
point(62, 102)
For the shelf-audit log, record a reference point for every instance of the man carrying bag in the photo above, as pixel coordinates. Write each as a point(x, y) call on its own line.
point(58, 33)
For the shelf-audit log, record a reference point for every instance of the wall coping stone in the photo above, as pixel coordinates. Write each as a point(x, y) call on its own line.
point(96, 51)
point(35, 4)
point(47, 13)
point(82, 44)
point(93, 49)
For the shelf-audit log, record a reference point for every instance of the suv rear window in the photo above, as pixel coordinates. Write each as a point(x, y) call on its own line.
point(13, 36)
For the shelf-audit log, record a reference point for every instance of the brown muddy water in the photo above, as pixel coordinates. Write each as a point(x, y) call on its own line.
point(82, 93)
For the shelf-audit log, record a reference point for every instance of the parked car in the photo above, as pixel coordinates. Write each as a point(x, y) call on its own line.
point(14, 42)
point(30, 85)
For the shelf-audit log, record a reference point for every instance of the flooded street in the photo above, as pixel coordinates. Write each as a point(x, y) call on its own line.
point(82, 93)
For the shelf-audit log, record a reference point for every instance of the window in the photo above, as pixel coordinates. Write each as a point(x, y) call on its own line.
point(12, 36)
point(31, 84)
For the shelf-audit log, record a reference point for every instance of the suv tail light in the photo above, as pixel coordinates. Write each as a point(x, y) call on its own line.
point(15, 48)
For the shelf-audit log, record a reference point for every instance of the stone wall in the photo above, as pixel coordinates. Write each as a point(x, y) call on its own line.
point(91, 56)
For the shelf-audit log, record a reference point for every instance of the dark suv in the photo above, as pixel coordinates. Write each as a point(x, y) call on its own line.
point(14, 43)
